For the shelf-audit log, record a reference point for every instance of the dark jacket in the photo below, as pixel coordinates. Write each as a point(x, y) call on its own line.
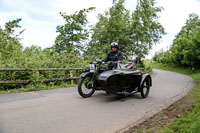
point(114, 56)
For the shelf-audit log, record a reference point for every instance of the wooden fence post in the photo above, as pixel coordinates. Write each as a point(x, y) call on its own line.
point(71, 76)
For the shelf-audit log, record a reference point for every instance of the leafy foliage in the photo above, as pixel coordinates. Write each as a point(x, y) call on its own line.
point(13, 56)
point(113, 25)
point(145, 28)
point(185, 50)
point(35, 57)
point(9, 41)
point(72, 34)
point(135, 33)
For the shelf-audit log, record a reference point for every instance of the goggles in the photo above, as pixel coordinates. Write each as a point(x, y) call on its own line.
point(113, 46)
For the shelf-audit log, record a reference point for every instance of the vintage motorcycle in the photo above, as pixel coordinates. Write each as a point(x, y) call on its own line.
point(113, 77)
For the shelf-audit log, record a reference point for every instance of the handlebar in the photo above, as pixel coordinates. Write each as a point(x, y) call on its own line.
point(111, 64)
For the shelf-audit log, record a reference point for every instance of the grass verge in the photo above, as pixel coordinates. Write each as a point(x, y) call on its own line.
point(182, 116)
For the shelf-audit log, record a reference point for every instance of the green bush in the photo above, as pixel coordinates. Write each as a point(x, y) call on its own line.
point(35, 57)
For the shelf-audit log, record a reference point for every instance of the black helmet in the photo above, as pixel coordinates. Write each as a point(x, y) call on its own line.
point(114, 45)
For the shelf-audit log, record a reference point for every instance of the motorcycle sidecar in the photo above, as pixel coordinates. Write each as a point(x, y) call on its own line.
point(122, 80)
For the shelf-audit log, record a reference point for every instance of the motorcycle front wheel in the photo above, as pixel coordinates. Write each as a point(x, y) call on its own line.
point(86, 87)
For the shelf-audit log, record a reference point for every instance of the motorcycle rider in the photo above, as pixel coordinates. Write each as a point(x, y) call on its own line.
point(115, 54)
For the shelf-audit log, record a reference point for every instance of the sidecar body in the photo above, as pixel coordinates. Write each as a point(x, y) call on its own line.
point(123, 80)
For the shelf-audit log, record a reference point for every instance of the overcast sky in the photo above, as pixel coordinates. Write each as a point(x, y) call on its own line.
point(40, 18)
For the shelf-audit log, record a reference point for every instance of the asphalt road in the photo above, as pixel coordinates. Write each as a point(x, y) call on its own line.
point(64, 111)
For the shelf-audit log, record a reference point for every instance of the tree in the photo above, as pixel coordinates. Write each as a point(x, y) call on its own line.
point(112, 26)
point(145, 28)
point(186, 47)
point(185, 50)
point(135, 33)
point(9, 39)
point(73, 33)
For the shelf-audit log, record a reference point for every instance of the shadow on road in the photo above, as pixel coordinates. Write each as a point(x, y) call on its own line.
point(116, 97)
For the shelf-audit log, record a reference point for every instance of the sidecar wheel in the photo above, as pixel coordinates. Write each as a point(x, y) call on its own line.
point(144, 91)
point(86, 87)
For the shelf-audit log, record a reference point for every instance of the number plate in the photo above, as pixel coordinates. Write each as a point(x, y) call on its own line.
point(92, 68)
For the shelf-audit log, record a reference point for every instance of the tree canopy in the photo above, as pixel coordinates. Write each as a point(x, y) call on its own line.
point(73, 33)
point(9, 39)
point(135, 32)
point(145, 27)
point(185, 50)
